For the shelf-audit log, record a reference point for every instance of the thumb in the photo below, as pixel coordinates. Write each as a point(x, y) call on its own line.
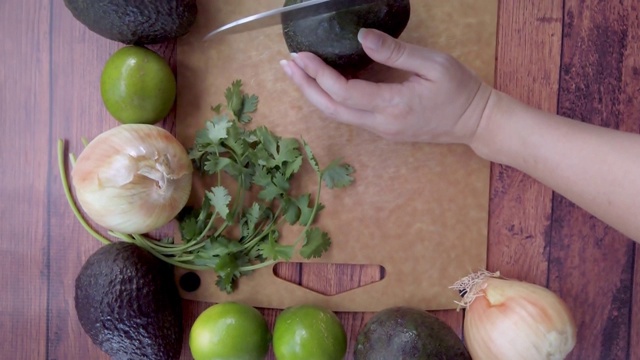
point(392, 52)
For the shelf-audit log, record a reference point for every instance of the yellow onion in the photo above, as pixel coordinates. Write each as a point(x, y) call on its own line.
point(133, 178)
point(514, 320)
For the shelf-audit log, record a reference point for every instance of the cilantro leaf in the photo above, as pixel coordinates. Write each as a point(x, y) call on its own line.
point(214, 163)
point(337, 174)
point(259, 155)
point(293, 167)
point(305, 209)
point(287, 152)
point(269, 142)
point(291, 211)
point(228, 271)
point(230, 268)
point(270, 192)
point(311, 158)
point(217, 129)
point(316, 242)
point(233, 95)
point(221, 246)
point(220, 199)
point(280, 181)
point(217, 109)
point(249, 105)
point(189, 229)
point(261, 176)
point(271, 250)
point(273, 186)
point(250, 219)
point(235, 141)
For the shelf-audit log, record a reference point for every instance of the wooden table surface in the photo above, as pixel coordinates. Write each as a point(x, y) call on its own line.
point(580, 58)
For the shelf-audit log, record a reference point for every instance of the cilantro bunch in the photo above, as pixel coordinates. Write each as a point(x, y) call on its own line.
point(236, 229)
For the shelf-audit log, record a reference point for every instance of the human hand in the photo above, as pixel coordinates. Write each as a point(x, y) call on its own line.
point(442, 102)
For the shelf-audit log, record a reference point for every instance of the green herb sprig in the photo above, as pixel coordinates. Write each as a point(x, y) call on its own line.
point(258, 161)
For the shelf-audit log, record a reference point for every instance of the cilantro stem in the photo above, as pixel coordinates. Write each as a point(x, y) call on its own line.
point(239, 199)
point(72, 203)
point(253, 239)
point(144, 243)
point(258, 266)
point(221, 229)
point(205, 231)
point(167, 249)
point(316, 205)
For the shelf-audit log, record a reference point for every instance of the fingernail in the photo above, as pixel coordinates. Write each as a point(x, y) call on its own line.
point(372, 41)
point(285, 66)
point(296, 59)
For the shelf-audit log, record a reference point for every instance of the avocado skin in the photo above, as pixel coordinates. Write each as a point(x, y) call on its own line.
point(404, 333)
point(128, 304)
point(334, 37)
point(139, 22)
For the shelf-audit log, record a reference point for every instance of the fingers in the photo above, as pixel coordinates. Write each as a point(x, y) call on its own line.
point(354, 93)
point(323, 101)
point(392, 52)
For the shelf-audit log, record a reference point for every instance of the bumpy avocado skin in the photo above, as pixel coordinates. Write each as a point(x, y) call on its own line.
point(129, 305)
point(139, 22)
point(404, 333)
point(334, 37)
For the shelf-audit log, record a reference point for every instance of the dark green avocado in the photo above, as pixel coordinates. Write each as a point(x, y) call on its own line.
point(403, 333)
point(138, 22)
point(334, 37)
point(128, 304)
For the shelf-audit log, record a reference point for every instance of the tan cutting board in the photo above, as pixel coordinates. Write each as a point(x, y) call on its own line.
point(419, 210)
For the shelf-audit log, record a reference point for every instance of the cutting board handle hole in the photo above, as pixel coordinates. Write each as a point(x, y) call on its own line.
point(329, 279)
point(190, 281)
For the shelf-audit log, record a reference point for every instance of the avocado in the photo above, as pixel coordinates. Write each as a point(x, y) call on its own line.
point(127, 302)
point(334, 37)
point(405, 333)
point(135, 22)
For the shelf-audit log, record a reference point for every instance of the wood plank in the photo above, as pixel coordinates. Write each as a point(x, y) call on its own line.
point(78, 56)
point(634, 351)
point(631, 86)
point(591, 264)
point(528, 59)
point(24, 143)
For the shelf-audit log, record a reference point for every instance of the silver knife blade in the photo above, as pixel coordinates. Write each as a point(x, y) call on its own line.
point(294, 12)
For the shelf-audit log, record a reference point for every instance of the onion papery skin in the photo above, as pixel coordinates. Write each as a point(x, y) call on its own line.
point(112, 182)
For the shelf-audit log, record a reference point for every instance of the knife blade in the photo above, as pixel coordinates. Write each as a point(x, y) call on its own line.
point(294, 12)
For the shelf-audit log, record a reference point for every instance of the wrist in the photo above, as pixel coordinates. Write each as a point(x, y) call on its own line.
point(493, 134)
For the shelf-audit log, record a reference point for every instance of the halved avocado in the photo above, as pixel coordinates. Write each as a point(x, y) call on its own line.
point(334, 37)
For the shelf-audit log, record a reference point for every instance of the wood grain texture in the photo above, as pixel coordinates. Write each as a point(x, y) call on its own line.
point(528, 59)
point(591, 264)
point(634, 345)
point(78, 56)
point(24, 113)
point(77, 111)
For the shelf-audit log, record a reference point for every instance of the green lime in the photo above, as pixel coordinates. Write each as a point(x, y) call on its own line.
point(308, 332)
point(229, 331)
point(137, 86)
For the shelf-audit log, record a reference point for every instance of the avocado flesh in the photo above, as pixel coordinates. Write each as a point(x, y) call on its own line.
point(128, 304)
point(334, 37)
point(405, 333)
point(139, 22)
